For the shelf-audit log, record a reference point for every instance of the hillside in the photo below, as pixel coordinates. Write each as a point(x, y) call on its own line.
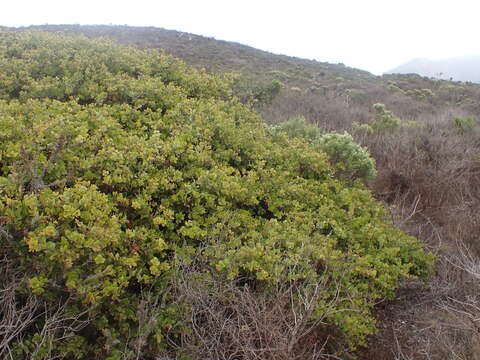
point(214, 55)
point(281, 86)
point(465, 68)
point(131, 186)
point(215, 159)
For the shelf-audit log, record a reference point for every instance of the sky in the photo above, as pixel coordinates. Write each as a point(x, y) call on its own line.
point(373, 35)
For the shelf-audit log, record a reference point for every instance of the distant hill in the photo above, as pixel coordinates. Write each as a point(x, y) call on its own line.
point(464, 68)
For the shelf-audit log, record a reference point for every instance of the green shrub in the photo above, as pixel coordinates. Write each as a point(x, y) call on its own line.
point(464, 124)
point(298, 127)
point(257, 92)
point(384, 119)
point(420, 94)
point(364, 129)
point(350, 160)
point(140, 165)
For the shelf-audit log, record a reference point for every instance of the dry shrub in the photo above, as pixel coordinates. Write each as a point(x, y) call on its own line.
point(430, 174)
point(20, 314)
point(430, 160)
point(15, 316)
point(231, 320)
point(328, 111)
point(408, 109)
point(438, 322)
point(459, 308)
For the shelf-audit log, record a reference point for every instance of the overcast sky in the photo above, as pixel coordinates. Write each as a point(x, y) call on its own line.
point(374, 35)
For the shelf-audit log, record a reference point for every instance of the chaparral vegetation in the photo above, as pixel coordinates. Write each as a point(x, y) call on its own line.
point(136, 193)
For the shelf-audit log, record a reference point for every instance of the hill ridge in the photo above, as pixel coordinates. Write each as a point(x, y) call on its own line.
point(458, 68)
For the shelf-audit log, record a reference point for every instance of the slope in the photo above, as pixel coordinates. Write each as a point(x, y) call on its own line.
point(281, 87)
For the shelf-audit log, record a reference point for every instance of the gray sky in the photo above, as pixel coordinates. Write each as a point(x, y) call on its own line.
point(373, 35)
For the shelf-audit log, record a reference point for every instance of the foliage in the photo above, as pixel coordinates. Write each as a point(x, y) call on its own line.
point(298, 127)
point(119, 165)
point(96, 71)
point(256, 92)
point(464, 124)
point(416, 163)
point(421, 94)
point(384, 119)
point(350, 160)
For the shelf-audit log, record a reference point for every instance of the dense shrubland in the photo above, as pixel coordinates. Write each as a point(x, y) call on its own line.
point(427, 173)
point(146, 212)
point(427, 170)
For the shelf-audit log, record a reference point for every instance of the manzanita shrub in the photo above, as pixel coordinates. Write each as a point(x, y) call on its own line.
point(118, 165)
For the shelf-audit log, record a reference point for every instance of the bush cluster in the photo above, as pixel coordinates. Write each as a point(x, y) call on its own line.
point(118, 167)
point(350, 160)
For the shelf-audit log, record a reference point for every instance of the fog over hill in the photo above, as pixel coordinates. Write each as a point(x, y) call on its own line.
point(462, 68)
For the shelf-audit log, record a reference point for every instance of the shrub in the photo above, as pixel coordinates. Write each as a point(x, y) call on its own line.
point(384, 119)
point(257, 92)
point(298, 127)
point(464, 124)
point(350, 160)
point(144, 166)
point(362, 129)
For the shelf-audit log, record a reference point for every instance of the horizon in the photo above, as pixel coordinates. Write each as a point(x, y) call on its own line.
point(371, 36)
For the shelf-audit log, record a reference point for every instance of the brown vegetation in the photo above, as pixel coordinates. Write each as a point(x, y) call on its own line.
point(429, 174)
